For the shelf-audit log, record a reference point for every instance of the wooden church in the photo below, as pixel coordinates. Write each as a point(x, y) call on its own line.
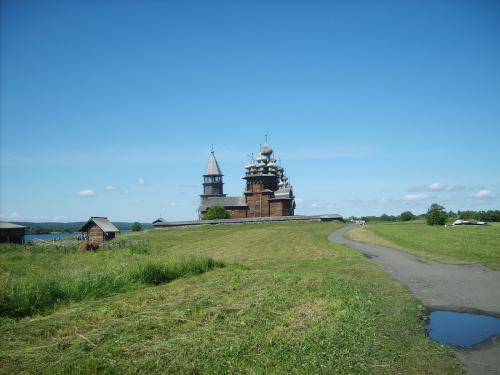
point(267, 191)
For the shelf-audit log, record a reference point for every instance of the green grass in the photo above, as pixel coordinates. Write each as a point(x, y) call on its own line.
point(460, 244)
point(288, 301)
point(35, 280)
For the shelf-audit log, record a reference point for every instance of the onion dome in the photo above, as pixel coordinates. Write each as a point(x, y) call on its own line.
point(266, 150)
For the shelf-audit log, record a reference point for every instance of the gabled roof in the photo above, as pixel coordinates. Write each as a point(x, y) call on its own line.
point(6, 225)
point(101, 222)
point(212, 166)
point(222, 201)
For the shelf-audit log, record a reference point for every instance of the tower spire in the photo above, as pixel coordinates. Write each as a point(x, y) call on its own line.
point(212, 178)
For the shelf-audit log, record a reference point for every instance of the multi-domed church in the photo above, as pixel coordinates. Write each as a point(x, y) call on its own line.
point(267, 191)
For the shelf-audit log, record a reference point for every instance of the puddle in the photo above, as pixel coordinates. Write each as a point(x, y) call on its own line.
point(369, 256)
point(462, 330)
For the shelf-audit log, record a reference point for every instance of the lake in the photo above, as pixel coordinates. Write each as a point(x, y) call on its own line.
point(49, 236)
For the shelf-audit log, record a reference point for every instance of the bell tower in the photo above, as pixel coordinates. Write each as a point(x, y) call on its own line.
point(212, 178)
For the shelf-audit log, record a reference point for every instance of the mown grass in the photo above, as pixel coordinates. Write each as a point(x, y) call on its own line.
point(460, 244)
point(287, 302)
point(35, 280)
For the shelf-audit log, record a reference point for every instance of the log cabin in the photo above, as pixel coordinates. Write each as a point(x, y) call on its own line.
point(12, 233)
point(99, 229)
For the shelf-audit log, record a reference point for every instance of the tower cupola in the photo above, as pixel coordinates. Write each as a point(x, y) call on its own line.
point(212, 178)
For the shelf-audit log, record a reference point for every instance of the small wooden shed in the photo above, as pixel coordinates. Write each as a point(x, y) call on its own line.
point(99, 229)
point(12, 233)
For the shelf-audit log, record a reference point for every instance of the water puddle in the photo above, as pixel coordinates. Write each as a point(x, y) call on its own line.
point(462, 330)
point(369, 256)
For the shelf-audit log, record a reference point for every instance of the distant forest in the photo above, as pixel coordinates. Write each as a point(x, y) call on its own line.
point(44, 228)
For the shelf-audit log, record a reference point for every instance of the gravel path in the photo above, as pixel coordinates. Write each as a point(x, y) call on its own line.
point(472, 288)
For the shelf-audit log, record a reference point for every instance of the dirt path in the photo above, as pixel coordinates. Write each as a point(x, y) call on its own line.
point(442, 286)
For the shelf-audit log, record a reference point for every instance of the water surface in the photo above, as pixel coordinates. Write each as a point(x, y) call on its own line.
point(462, 330)
point(49, 236)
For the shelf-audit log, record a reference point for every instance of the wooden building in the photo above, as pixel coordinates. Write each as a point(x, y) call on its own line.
point(98, 229)
point(12, 233)
point(267, 191)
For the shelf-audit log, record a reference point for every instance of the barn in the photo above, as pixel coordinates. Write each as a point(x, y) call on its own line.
point(99, 229)
point(12, 233)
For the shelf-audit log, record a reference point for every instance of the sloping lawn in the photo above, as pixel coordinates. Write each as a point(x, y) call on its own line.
point(287, 301)
point(460, 244)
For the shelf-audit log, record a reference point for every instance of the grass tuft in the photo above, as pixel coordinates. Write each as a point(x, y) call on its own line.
point(36, 293)
point(159, 273)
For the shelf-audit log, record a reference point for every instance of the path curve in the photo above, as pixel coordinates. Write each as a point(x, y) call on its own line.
point(473, 288)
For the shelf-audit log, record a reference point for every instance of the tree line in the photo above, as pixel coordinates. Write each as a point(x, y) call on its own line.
point(438, 215)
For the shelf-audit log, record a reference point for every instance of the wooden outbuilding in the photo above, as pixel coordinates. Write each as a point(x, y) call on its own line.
point(12, 233)
point(99, 229)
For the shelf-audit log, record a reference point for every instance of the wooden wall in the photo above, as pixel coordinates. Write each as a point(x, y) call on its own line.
point(95, 234)
point(12, 235)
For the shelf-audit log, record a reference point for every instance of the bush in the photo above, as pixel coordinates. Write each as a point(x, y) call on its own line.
point(406, 216)
point(436, 215)
point(136, 227)
point(215, 213)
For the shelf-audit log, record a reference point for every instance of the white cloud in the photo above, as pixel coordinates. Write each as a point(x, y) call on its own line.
point(111, 188)
point(299, 200)
point(86, 193)
point(415, 197)
point(14, 216)
point(453, 187)
point(436, 186)
point(484, 194)
point(141, 182)
point(9, 216)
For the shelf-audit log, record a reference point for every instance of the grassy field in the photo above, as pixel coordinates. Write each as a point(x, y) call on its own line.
point(287, 301)
point(461, 244)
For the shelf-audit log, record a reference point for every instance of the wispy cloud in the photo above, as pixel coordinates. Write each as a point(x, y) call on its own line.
point(10, 216)
point(141, 182)
point(416, 197)
point(484, 194)
point(86, 193)
point(331, 152)
point(438, 186)
point(111, 188)
point(15, 216)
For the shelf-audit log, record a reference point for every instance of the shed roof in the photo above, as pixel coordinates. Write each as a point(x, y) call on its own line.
point(6, 225)
point(101, 222)
point(222, 201)
point(212, 166)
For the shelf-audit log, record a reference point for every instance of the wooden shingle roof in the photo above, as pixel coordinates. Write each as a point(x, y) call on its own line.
point(6, 225)
point(213, 168)
point(101, 222)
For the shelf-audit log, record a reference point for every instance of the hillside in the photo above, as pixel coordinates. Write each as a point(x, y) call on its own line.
point(286, 301)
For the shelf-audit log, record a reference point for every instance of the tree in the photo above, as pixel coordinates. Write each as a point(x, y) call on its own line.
point(436, 215)
point(216, 212)
point(136, 227)
point(406, 216)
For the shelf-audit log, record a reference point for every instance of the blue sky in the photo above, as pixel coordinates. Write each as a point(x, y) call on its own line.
point(109, 108)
